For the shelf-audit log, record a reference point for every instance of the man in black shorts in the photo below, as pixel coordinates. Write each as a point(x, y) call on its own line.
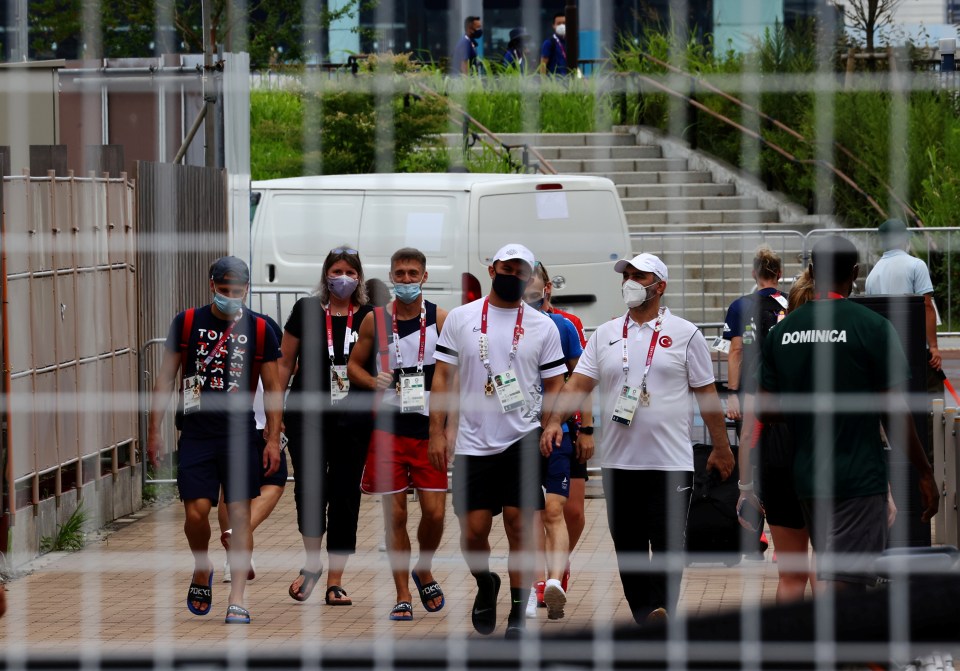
point(498, 466)
point(221, 351)
point(842, 366)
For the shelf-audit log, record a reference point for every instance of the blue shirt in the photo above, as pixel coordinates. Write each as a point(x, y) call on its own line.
point(464, 50)
point(899, 273)
point(733, 323)
point(569, 341)
point(555, 51)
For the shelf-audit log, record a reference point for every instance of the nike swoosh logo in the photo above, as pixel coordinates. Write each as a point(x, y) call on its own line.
point(683, 489)
point(614, 342)
point(476, 329)
point(481, 611)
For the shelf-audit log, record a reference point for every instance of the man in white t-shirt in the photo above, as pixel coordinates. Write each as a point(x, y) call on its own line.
point(490, 359)
point(648, 364)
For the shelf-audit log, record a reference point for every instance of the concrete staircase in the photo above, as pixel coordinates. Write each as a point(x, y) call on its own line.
point(703, 218)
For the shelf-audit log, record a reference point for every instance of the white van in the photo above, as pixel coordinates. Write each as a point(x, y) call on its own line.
point(574, 224)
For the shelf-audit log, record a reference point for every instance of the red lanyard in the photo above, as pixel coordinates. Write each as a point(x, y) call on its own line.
point(423, 335)
point(653, 345)
point(346, 335)
point(560, 44)
point(216, 348)
point(831, 295)
point(484, 343)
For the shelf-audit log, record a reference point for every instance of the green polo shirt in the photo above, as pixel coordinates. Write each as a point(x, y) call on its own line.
point(829, 360)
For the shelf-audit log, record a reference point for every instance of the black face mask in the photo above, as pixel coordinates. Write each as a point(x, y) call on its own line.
point(477, 34)
point(508, 287)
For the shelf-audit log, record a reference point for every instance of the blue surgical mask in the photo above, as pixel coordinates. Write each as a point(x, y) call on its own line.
point(342, 286)
point(407, 293)
point(228, 306)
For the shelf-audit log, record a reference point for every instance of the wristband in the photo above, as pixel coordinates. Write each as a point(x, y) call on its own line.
point(586, 430)
point(745, 487)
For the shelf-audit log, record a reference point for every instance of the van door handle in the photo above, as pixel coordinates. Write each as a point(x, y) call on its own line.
point(575, 299)
point(271, 272)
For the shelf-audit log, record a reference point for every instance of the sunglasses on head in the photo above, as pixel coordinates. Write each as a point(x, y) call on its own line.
point(344, 250)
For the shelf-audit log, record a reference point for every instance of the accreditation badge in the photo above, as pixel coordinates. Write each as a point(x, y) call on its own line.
point(412, 396)
point(626, 406)
point(508, 390)
point(339, 383)
point(191, 394)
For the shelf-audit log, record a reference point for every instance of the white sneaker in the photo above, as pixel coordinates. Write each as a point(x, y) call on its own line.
point(555, 598)
point(226, 572)
point(532, 605)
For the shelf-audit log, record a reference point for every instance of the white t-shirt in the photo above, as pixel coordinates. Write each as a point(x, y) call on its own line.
point(484, 429)
point(658, 439)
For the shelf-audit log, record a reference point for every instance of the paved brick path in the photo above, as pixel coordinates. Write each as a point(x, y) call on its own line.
point(127, 591)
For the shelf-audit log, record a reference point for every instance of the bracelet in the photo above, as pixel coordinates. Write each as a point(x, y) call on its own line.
point(586, 430)
point(745, 487)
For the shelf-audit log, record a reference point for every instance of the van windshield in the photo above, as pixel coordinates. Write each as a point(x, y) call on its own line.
point(566, 227)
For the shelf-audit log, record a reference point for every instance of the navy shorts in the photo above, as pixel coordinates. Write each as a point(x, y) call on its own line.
point(555, 469)
point(578, 471)
point(508, 479)
point(206, 464)
point(278, 479)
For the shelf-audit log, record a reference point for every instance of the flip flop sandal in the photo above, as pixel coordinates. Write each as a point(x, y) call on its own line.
point(202, 593)
point(237, 615)
point(338, 594)
point(429, 592)
point(306, 587)
point(402, 612)
point(484, 614)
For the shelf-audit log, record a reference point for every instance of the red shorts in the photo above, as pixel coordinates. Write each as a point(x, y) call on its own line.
point(395, 463)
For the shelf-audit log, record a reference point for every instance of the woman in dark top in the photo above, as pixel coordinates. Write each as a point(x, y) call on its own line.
point(328, 423)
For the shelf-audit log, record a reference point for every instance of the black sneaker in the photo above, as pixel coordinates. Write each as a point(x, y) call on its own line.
point(484, 613)
point(514, 631)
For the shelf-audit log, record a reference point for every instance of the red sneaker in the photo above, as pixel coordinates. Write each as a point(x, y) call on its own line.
point(565, 580)
point(539, 587)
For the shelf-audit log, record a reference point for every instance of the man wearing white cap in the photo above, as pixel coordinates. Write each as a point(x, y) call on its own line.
point(490, 359)
point(646, 364)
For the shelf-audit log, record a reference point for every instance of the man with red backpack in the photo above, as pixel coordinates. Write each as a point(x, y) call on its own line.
point(220, 351)
point(405, 336)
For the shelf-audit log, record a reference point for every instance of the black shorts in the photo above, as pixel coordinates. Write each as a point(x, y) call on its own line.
point(507, 479)
point(577, 470)
point(777, 490)
point(278, 479)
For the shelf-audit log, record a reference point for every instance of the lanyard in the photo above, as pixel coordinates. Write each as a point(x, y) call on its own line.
point(560, 44)
point(423, 336)
point(484, 348)
point(346, 335)
point(653, 346)
point(831, 295)
point(216, 348)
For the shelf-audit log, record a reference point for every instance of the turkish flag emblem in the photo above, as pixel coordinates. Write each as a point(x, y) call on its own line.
point(666, 341)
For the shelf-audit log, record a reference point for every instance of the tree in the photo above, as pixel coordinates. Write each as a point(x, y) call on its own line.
point(868, 16)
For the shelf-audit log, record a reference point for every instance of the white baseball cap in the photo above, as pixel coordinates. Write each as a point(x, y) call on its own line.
point(515, 251)
point(646, 262)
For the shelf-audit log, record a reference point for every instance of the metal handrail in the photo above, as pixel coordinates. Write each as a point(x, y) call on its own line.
point(457, 113)
point(787, 129)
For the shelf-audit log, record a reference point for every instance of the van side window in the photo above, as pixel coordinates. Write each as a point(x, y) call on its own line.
point(303, 223)
point(422, 221)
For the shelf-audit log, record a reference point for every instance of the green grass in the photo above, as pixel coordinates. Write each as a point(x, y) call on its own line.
point(69, 536)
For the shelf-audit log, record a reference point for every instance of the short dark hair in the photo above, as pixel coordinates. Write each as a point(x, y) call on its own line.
point(468, 22)
point(833, 259)
point(408, 254)
point(559, 15)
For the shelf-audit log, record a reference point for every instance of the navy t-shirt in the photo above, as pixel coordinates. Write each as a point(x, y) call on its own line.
point(555, 51)
point(226, 398)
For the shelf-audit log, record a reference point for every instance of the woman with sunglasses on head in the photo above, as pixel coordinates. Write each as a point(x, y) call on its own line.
point(328, 424)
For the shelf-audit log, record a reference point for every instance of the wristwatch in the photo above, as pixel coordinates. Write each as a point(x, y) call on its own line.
point(586, 430)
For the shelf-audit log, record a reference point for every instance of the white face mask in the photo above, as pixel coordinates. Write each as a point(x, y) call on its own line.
point(635, 294)
point(561, 30)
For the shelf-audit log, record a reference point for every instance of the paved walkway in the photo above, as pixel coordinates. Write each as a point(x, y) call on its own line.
point(126, 592)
